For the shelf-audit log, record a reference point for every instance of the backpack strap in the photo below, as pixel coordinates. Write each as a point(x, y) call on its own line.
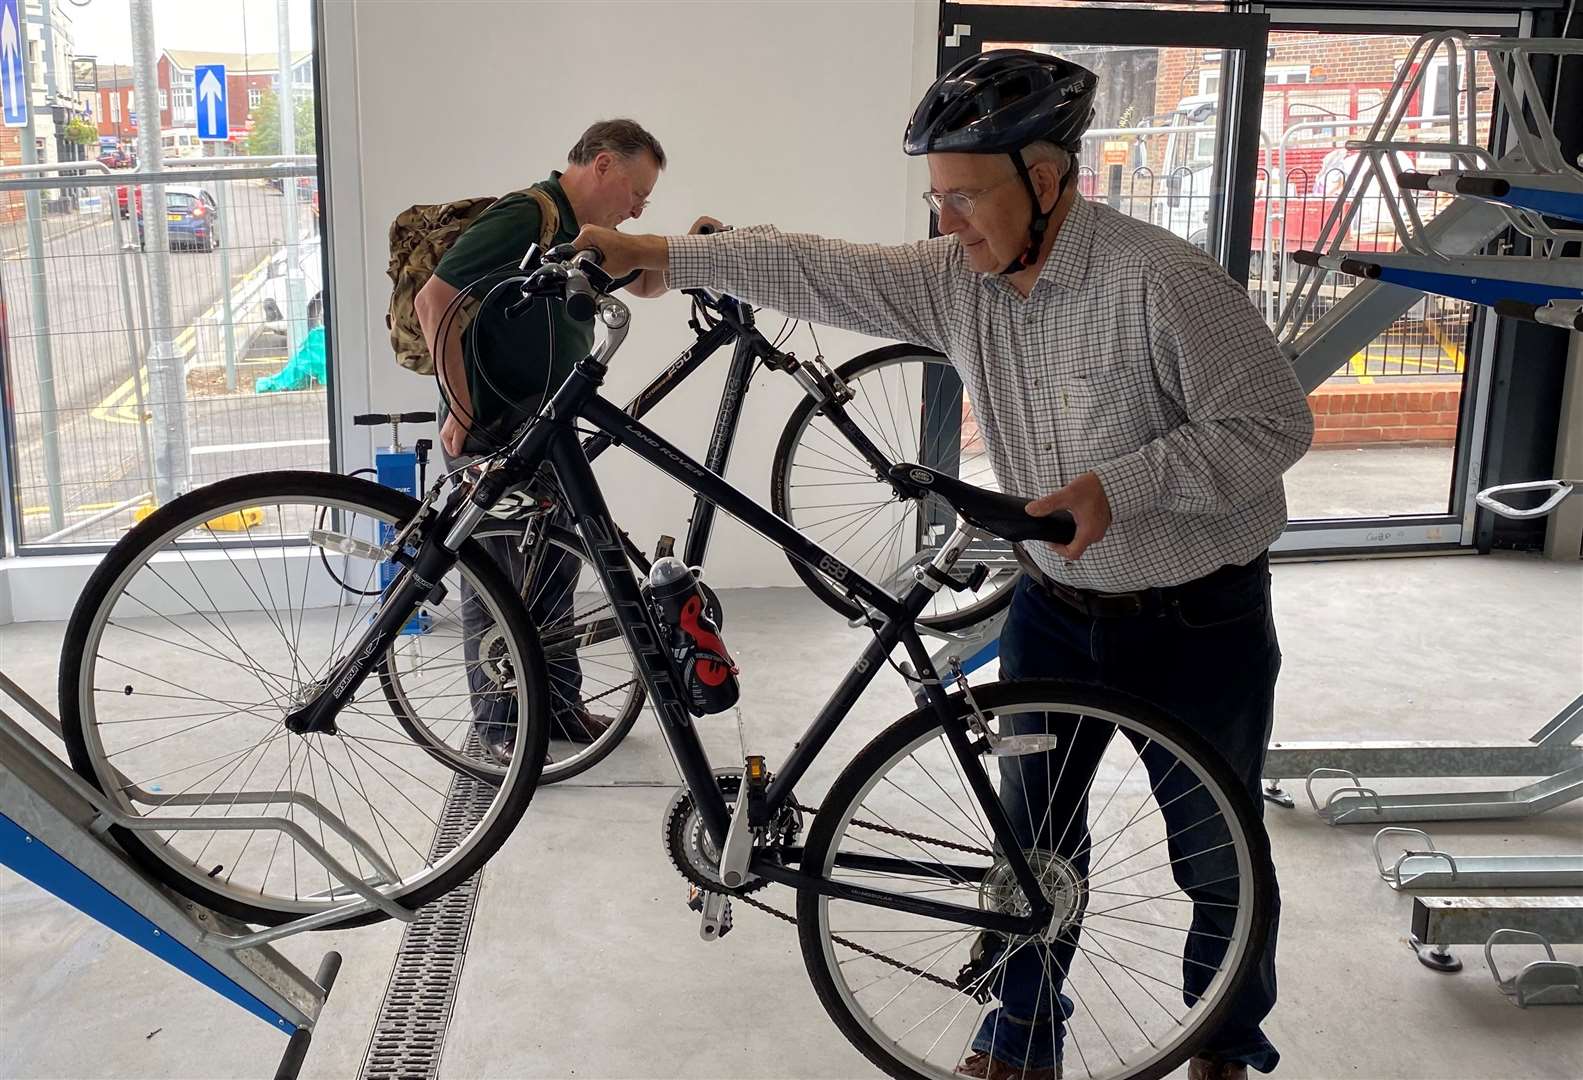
point(549, 216)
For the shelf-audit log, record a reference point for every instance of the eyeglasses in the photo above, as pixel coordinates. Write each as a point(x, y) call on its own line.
point(961, 203)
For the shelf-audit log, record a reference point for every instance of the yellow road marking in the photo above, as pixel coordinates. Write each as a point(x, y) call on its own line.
point(120, 405)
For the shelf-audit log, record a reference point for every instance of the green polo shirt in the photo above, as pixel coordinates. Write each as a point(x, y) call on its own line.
point(510, 363)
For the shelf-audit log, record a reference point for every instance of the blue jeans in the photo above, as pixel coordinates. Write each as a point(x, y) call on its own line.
point(1210, 659)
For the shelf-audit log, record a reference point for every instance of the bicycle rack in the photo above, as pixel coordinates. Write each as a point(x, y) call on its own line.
point(1430, 867)
point(1541, 982)
point(1439, 921)
point(54, 831)
point(1550, 753)
point(1515, 191)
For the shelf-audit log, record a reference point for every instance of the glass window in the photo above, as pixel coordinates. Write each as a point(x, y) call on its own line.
point(83, 463)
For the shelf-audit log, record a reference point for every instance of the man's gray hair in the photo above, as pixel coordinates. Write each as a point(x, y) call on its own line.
point(623, 138)
point(1036, 152)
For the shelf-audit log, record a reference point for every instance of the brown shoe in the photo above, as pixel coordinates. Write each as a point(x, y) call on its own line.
point(500, 752)
point(1202, 1068)
point(579, 726)
point(983, 1067)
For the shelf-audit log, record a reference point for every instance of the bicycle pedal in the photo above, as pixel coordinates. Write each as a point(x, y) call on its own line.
point(715, 912)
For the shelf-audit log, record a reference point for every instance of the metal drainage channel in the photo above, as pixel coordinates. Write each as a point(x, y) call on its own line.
point(409, 1033)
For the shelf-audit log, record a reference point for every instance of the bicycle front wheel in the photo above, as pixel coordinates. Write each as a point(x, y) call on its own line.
point(909, 402)
point(1149, 850)
point(216, 618)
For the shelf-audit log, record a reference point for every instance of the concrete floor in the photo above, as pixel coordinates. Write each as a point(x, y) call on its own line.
point(585, 962)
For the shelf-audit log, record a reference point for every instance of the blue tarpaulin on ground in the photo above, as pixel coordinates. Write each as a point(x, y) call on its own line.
point(303, 370)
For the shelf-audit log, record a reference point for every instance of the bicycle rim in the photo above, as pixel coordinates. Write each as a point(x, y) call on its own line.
point(201, 631)
point(589, 666)
point(825, 488)
point(1123, 919)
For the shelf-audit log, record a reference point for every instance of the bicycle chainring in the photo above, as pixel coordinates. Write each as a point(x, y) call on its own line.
point(693, 853)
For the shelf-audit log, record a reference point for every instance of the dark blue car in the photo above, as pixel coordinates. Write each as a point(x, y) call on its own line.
point(191, 217)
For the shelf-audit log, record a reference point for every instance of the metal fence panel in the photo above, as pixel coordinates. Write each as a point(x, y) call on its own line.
point(84, 415)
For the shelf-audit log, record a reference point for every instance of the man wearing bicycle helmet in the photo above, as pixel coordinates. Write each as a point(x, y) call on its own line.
point(1118, 373)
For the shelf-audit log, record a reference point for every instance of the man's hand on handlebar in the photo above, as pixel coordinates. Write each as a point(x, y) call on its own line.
point(624, 253)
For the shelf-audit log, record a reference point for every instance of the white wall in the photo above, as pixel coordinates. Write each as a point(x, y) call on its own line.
point(788, 111)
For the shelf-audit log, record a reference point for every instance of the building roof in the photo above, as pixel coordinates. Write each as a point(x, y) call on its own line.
point(255, 63)
point(114, 76)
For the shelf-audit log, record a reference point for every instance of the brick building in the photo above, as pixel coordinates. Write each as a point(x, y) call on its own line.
point(248, 78)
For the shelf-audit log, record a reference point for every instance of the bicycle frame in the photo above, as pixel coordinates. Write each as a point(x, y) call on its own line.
point(553, 437)
point(736, 327)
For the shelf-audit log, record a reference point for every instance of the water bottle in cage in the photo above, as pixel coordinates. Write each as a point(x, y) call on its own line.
point(709, 675)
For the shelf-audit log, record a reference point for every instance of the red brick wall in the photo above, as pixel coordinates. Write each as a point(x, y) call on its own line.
point(1356, 415)
point(12, 206)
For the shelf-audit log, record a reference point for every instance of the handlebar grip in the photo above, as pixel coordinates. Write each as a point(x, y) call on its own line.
point(416, 418)
point(370, 419)
point(1414, 181)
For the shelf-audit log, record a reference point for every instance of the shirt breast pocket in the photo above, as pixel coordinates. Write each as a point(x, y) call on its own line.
point(1097, 401)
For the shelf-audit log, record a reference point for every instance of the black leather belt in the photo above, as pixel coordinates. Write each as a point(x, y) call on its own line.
point(1141, 602)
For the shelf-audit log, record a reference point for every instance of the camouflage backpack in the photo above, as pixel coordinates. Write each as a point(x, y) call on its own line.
point(419, 238)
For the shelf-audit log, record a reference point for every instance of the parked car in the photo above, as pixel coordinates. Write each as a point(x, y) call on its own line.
point(191, 217)
point(117, 158)
point(274, 298)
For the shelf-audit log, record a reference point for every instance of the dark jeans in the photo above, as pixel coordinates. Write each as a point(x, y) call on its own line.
point(1210, 660)
point(549, 599)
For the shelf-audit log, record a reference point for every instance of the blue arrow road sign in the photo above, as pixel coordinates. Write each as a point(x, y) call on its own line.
point(214, 119)
point(13, 51)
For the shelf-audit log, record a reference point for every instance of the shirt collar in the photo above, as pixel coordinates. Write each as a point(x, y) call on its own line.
point(558, 193)
point(1067, 265)
point(1068, 261)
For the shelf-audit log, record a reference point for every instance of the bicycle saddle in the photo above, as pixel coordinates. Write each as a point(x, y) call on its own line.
point(1000, 514)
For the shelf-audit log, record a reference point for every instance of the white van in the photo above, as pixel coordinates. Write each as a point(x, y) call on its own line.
point(180, 143)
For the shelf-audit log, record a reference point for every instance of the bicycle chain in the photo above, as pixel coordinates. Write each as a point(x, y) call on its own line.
point(854, 946)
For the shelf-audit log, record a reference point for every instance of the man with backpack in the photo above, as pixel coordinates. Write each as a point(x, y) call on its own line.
point(495, 372)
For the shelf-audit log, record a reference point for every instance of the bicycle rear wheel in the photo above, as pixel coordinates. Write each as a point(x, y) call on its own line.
point(214, 619)
point(909, 403)
point(1101, 822)
point(592, 675)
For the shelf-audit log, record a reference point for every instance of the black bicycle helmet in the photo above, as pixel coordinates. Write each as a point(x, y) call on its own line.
point(997, 103)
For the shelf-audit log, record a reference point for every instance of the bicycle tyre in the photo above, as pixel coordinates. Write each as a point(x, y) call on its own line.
point(797, 424)
point(907, 734)
point(201, 505)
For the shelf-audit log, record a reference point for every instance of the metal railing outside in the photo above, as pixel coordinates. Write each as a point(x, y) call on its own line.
point(83, 415)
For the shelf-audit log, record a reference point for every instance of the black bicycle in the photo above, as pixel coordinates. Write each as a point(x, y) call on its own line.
point(997, 846)
point(830, 477)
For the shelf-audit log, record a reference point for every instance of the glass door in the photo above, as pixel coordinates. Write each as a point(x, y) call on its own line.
point(1398, 423)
